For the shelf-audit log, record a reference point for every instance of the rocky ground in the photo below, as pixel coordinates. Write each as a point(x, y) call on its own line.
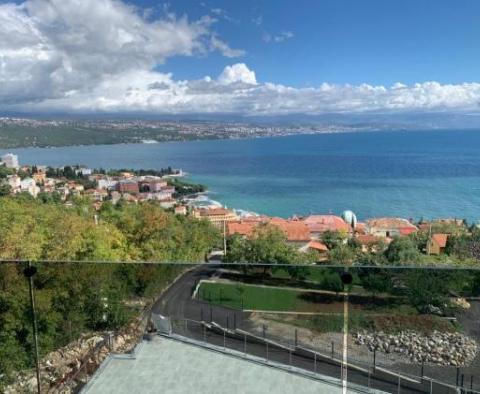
point(440, 348)
point(65, 368)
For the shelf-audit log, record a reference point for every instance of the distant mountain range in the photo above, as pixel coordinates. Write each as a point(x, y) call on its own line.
point(21, 130)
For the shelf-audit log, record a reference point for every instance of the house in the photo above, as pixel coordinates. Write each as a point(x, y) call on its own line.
point(318, 224)
point(218, 216)
point(318, 247)
point(371, 243)
point(180, 210)
point(107, 183)
point(128, 186)
point(30, 186)
point(437, 243)
point(389, 227)
point(152, 185)
point(166, 204)
point(15, 182)
point(296, 232)
point(83, 171)
point(97, 194)
point(39, 177)
point(10, 161)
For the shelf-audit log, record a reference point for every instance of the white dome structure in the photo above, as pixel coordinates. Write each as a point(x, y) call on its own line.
point(350, 218)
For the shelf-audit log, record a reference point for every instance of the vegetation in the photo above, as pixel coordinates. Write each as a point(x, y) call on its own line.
point(84, 133)
point(74, 298)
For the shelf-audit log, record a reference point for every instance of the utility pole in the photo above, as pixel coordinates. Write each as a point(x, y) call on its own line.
point(429, 239)
point(29, 272)
point(224, 238)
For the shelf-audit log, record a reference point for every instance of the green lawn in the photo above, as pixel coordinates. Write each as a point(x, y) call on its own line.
point(262, 298)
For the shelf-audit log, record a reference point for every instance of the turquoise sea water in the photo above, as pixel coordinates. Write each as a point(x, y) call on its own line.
point(410, 174)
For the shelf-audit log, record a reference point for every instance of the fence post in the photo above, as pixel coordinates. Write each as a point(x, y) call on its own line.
point(266, 343)
point(374, 358)
point(264, 331)
point(234, 321)
point(186, 326)
point(296, 338)
point(315, 362)
point(458, 376)
point(201, 314)
point(227, 322)
point(461, 383)
point(245, 344)
point(471, 382)
point(204, 333)
point(333, 348)
point(211, 314)
point(224, 341)
point(398, 384)
point(290, 356)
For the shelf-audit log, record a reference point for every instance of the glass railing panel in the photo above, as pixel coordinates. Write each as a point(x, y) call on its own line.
point(416, 328)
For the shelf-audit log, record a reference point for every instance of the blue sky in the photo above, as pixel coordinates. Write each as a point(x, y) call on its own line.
point(250, 57)
point(343, 41)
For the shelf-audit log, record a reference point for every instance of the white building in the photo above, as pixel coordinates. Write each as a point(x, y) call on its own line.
point(15, 182)
point(10, 160)
point(107, 183)
point(30, 186)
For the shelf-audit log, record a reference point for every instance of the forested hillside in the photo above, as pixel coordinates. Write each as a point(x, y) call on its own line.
point(74, 298)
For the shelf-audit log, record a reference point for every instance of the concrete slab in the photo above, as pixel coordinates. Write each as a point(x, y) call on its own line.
point(168, 366)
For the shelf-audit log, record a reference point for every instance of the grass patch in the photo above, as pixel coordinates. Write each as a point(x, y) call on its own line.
point(240, 296)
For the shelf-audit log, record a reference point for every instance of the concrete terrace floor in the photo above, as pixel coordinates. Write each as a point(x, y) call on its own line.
point(165, 365)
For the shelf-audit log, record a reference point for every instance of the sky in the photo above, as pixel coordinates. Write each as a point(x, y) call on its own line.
point(250, 57)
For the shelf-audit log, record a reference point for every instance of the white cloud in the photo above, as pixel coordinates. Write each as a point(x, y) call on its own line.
point(224, 48)
point(237, 73)
point(283, 36)
point(102, 55)
point(49, 48)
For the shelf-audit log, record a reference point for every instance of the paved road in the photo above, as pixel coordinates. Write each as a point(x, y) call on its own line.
point(177, 303)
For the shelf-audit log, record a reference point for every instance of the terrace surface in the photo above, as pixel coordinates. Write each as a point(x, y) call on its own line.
point(170, 366)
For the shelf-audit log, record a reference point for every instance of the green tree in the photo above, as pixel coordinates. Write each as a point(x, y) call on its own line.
point(402, 250)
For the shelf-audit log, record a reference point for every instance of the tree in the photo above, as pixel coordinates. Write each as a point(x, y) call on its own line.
point(342, 254)
point(5, 189)
point(402, 250)
point(333, 238)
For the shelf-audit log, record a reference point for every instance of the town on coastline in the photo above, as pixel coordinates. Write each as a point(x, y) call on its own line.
point(315, 233)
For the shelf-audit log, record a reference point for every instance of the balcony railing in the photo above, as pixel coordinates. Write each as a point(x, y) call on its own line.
point(396, 329)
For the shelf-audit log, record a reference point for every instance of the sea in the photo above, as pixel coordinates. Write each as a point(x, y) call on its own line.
point(410, 174)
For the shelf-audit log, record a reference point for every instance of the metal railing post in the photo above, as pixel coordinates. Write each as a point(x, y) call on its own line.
point(333, 348)
point(315, 362)
point(29, 272)
point(266, 343)
point(245, 344)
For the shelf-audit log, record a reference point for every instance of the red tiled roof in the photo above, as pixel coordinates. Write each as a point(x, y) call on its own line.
point(322, 223)
point(317, 246)
point(214, 212)
point(295, 231)
point(367, 239)
point(389, 223)
point(407, 230)
point(440, 239)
